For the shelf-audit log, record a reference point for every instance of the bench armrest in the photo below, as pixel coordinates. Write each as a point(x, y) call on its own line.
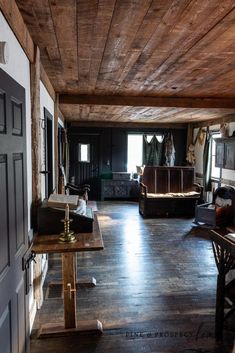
point(78, 187)
point(199, 188)
point(143, 189)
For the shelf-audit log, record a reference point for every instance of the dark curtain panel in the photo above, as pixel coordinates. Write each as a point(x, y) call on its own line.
point(169, 150)
point(152, 151)
point(207, 163)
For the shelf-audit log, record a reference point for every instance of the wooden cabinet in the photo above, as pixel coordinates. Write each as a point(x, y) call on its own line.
point(229, 154)
point(225, 153)
point(219, 155)
point(118, 189)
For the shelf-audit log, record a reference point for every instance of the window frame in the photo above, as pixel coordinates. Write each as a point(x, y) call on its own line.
point(218, 175)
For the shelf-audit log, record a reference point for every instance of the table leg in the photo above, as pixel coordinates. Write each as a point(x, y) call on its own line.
point(71, 325)
point(69, 288)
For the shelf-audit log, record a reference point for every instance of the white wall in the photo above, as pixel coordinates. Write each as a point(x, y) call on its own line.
point(18, 67)
point(226, 174)
point(229, 174)
point(45, 102)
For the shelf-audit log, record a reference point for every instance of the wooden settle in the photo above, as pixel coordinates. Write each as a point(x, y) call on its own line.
point(168, 191)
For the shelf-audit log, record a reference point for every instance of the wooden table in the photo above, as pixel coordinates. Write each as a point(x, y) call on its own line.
point(51, 244)
point(224, 253)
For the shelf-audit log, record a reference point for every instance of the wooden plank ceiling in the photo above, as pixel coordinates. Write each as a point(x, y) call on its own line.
point(137, 48)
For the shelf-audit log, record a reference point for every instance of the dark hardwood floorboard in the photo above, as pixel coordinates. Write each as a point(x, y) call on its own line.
point(155, 293)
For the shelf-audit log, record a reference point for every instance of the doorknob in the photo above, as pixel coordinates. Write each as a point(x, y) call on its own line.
point(28, 257)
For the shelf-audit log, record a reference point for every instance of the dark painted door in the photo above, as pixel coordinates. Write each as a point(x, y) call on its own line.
point(86, 172)
point(13, 217)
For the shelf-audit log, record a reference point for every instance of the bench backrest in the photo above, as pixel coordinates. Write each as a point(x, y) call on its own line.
point(168, 179)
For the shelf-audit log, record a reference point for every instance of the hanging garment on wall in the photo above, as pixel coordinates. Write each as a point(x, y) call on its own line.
point(169, 150)
point(152, 151)
point(191, 159)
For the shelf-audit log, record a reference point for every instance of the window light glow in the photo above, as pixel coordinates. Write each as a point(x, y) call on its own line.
point(215, 171)
point(135, 152)
point(84, 152)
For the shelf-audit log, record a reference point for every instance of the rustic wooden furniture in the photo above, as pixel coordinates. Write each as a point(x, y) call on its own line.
point(118, 189)
point(224, 253)
point(168, 191)
point(225, 153)
point(49, 220)
point(85, 242)
point(215, 214)
point(70, 188)
point(80, 190)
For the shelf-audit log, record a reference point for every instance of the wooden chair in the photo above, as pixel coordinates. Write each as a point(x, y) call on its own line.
point(81, 190)
point(224, 253)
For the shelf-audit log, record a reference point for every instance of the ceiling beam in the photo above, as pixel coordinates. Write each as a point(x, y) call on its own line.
point(47, 83)
point(127, 125)
point(176, 102)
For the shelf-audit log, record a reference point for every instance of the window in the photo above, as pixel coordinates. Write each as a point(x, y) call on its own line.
point(84, 152)
point(135, 150)
point(215, 171)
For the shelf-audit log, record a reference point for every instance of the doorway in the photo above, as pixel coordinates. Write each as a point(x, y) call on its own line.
point(84, 163)
point(48, 152)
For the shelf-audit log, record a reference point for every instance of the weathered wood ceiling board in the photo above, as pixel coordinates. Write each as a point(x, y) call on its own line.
point(106, 113)
point(151, 48)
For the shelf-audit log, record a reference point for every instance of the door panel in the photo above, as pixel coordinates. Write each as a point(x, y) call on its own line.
point(5, 330)
point(4, 233)
point(13, 217)
point(17, 128)
point(19, 199)
point(21, 329)
point(2, 112)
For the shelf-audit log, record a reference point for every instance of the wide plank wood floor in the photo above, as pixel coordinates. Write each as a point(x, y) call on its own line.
point(155, 293)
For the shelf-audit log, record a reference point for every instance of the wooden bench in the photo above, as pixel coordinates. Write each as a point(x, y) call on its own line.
point(168, 191)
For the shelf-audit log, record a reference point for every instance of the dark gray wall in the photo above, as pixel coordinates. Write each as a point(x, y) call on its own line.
point(113, 145)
